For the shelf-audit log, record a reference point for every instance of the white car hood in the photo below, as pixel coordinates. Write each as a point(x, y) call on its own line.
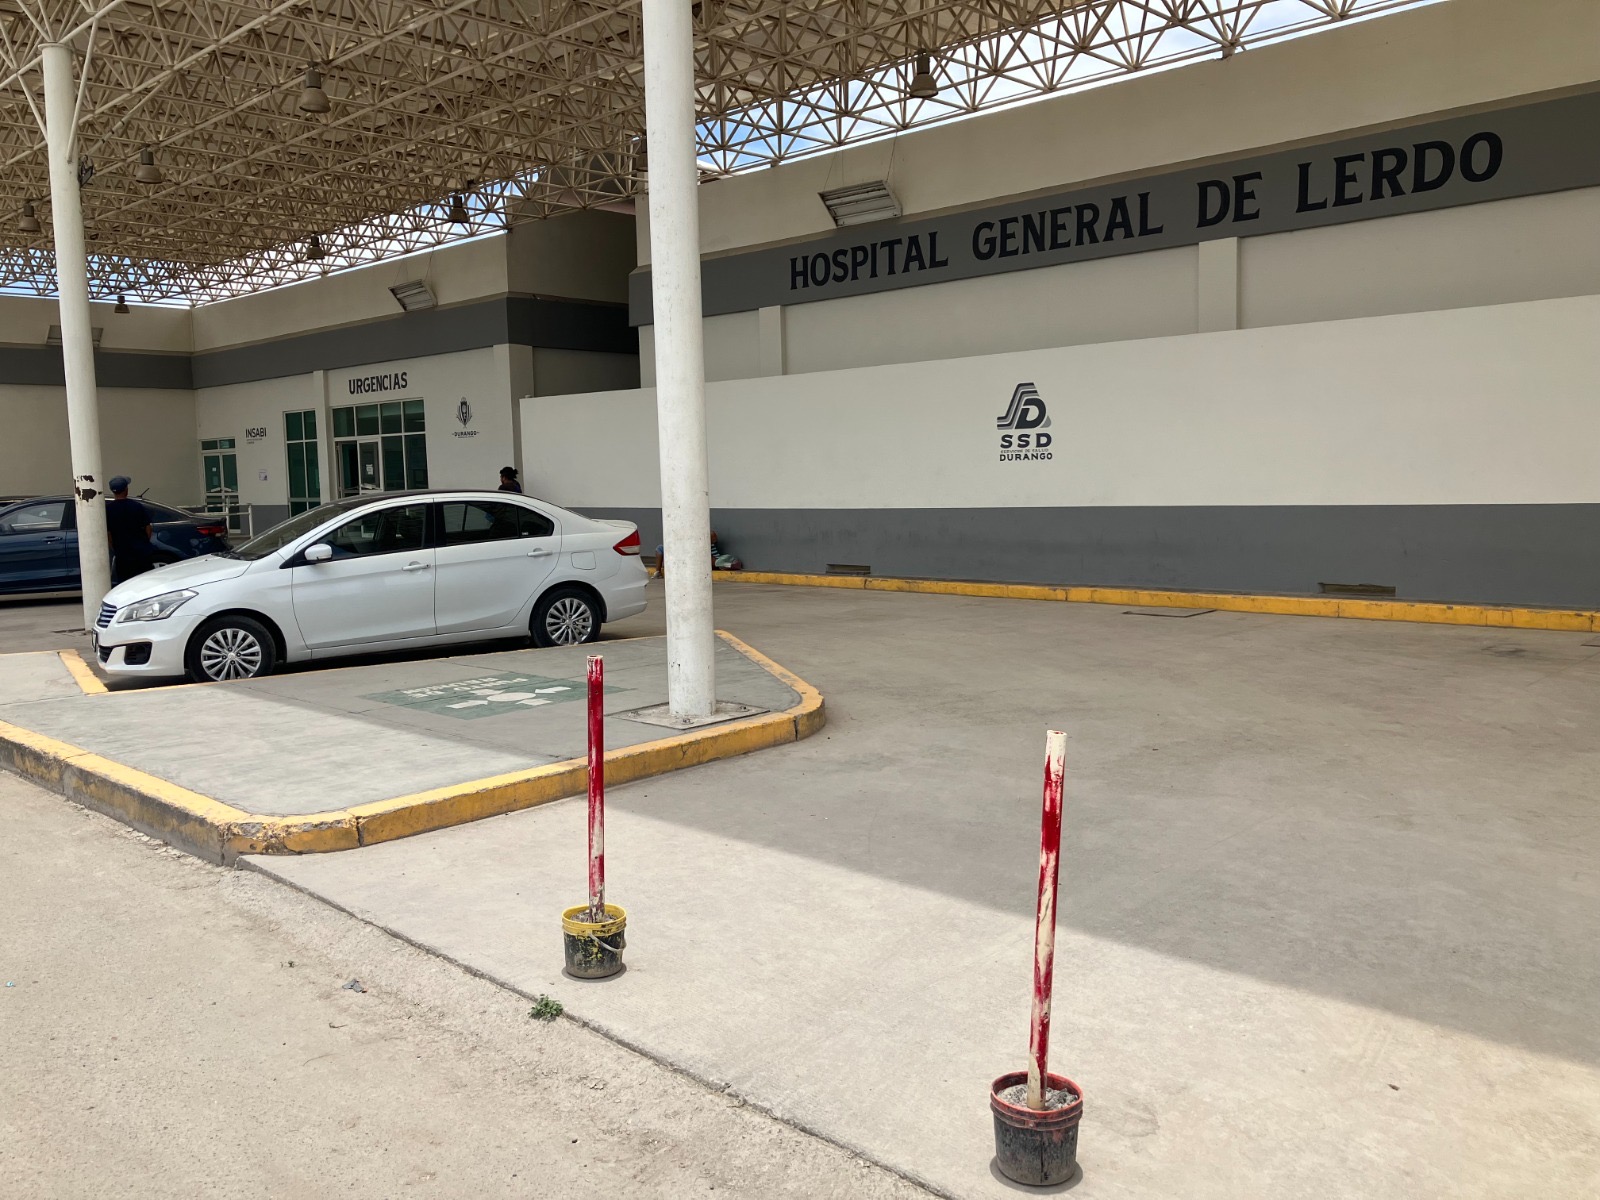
point(188, 573)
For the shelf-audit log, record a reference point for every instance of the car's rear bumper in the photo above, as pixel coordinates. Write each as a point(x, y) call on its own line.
point(626, 597)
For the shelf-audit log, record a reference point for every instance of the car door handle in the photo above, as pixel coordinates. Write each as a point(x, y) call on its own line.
point(54, 537)
point(540, 553)
point(415, 567)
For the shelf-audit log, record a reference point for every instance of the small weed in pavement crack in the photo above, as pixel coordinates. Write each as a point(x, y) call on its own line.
point(545, 1009)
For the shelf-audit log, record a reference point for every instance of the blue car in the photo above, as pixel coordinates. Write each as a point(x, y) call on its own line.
point(39, 542)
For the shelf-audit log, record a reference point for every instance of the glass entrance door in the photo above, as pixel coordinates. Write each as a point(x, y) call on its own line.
point(358, 468)
point(220, 468)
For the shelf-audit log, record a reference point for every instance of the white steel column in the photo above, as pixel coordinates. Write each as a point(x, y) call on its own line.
point(680, 355)
point(77, 339)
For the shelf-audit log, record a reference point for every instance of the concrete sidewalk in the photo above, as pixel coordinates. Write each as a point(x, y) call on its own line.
point(1329, 922)
point(328, 759)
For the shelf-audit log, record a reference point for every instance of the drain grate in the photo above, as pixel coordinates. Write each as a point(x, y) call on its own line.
point(849, 569)
point(1356, 589)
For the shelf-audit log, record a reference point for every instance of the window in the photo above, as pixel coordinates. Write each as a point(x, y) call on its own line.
point(465, 522)
point(217, 444)
point(34, 518)
point(381, 447)
point(305, 472)
point(279, 536)
point(387, 531)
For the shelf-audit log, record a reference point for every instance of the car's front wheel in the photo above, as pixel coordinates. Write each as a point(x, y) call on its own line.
point(565, 617)
point(230, 648)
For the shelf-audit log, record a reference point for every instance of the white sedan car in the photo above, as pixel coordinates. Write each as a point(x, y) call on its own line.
point(370, 574)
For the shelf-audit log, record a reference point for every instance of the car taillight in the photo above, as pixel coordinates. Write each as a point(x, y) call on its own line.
point(212, 530)
point(629, 544)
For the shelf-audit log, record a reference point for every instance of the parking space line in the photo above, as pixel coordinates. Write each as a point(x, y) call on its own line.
point(83, 675)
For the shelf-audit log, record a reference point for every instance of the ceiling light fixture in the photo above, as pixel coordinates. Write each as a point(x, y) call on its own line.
point(314, 250)
point(122, 304)
point(29, 222)
point(312, 98)
point(458, 210)
point(923, 85)
point(860, 203)
point(414, 295)
point(147, 171)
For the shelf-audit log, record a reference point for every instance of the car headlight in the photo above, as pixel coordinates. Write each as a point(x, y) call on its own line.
point(157, 608)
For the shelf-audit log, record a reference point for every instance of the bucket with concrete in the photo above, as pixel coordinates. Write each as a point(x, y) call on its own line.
point(594, 948)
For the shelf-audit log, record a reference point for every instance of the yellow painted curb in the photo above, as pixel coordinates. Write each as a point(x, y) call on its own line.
point(88, 682)
point(219, 832)
point(1493, 616)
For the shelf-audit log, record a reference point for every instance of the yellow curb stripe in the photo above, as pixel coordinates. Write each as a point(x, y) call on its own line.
point(1493, 616)
point(88, 682)
point(220, 832)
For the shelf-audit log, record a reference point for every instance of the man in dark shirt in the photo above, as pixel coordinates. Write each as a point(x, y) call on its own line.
point(508, 480)
point(128, 528)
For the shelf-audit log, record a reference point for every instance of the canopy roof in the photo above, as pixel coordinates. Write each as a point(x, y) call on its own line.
point(524, 107)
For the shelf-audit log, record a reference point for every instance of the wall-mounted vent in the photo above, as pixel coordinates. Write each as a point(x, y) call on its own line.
point(1356, 589)
point(860, 203)
point(849, 569)
point(414, 295)
point(53, 338)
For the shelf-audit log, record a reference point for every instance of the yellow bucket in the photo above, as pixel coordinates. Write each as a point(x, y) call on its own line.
point(594, 948)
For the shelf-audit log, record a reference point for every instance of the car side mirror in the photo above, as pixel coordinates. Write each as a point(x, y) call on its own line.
point(321, 552)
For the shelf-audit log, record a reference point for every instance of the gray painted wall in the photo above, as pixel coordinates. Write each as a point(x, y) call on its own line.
point(41, 365)
point(536, 321)
point(1488, 554)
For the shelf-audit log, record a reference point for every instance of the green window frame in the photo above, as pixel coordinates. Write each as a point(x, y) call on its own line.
point(395, 432)
point(305, 467)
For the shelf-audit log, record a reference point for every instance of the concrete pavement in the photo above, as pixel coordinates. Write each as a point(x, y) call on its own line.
point(172, 1029)
point(1329, 920)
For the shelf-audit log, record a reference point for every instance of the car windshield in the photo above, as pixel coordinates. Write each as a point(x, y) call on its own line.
point(279, 536)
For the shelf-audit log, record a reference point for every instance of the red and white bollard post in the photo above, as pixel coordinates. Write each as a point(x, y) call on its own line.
point(1044, 929)
point(597, 788)
point(1036, 1114)
point(593, 933)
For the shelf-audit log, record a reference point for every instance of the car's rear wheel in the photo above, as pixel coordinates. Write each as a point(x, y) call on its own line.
point(565, 617)
point(230, 648)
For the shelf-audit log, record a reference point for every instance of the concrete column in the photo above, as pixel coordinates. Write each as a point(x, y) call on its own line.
point(77, 337)
point(1218, 301)
point(770, 332)
point(679, 355)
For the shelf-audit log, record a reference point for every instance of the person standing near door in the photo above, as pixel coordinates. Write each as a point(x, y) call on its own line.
point(128, 529)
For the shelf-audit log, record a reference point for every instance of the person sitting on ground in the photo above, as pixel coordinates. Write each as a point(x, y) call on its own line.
point(508, 480)
point(128, 529)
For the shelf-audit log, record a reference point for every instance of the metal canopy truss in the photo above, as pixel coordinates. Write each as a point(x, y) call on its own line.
point(526, 107)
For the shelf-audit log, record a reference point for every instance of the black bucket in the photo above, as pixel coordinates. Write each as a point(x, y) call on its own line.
point(1033, 1147)
point(594, 948)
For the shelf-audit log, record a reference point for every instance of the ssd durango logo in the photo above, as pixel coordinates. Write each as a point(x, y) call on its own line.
point(1026, 412)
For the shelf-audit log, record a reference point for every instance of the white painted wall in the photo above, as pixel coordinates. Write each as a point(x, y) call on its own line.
point(1467, 406)
point(226, 412)
point(458, 456)
point(26, 320)
point(456, 273)
point(1530, 248)
point(147, 435)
